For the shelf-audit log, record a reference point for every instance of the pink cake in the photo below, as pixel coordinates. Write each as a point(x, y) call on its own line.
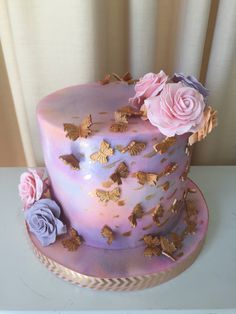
point(122, 175)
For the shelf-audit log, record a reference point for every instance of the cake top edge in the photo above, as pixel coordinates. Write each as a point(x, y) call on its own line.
point(172, 106)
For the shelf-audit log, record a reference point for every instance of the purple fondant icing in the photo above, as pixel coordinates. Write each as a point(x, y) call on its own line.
point(75, 189)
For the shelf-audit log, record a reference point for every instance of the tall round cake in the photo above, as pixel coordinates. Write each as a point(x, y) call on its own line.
point(115, 209)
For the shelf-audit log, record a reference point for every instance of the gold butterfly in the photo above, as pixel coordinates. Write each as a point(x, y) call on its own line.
point(104, 152)
point(169, 169)
point(147, 178)
point(163, 146)
point(134, 148)
point(74, 242)
point(106, 79)
point(83, 130)
point(137, 213)
point(130, 111)
point(127, 77)
point(106, 196)
point(167, 246)
point(107, 233)
point(121, 122)
point(70, 160)
point(121, 171)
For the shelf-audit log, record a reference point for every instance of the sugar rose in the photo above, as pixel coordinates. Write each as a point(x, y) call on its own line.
point(177, 110)
point(149, 85)
point(43, 221)
point(31, 186)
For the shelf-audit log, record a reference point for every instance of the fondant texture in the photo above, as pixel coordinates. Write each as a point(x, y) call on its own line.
point(76, 189)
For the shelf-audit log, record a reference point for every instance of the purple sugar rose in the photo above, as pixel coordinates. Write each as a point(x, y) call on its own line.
point(43, 222)
point(192, 82)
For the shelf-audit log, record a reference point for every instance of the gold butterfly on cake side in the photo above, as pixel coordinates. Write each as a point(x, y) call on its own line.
point(106, 196)
point(134, 148)
point(121, 171)
point(71, 161)
point(73, 132)
point(104, 152)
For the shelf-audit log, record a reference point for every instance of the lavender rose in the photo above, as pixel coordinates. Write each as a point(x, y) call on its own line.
point(177, 110)
point(43, 222)
point(149, 85)
point(192, 82)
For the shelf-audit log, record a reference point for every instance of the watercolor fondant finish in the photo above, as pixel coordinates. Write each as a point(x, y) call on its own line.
point(76, 190)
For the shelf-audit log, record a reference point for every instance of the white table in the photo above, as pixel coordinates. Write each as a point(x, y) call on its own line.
point(209, 285)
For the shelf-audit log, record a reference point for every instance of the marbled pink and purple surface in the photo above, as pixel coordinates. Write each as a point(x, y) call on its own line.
point(74, 189)
point(105, 263)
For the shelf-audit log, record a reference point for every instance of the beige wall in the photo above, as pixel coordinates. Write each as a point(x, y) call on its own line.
point(10, 142)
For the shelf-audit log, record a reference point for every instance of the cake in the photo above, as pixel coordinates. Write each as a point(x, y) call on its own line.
point(117, 154)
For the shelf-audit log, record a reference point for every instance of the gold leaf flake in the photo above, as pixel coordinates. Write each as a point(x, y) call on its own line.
point(148, 226)
point(107, 184)
point(184, 175)
point(103, 112)
point(127, 233)
point(165, 186)
point(191, 190)
point(121, 171)
point(121, 203)
point(74, 242)
point(106, 196)
point(147, 178)
point(130, 111)
point(70, 160)
point(137, 213)
point(150, 196)
point(134, 148)
point(175, 206)
point(107, 233)
point(163, 160)
point(104, 152)
point(163, 146)
point(83, 130)
point(150, 155)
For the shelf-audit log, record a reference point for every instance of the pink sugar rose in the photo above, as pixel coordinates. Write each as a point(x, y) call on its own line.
point(31, 187)
point(149, 85)
point(177, 110)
